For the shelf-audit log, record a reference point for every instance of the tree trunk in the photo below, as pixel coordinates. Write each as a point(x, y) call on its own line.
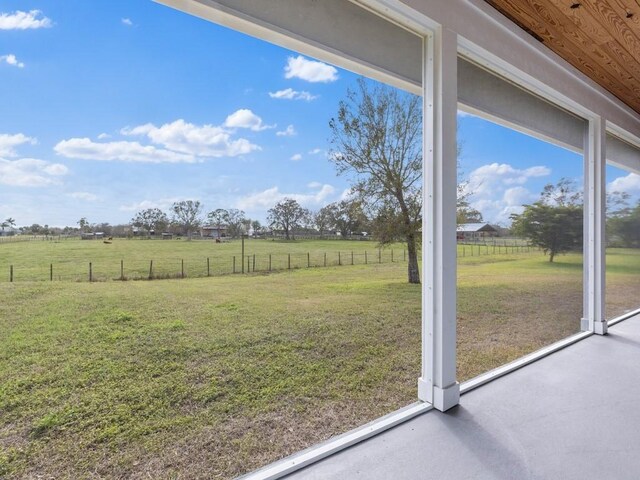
point(412, 257)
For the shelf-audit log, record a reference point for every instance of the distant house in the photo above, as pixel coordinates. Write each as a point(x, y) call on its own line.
point(214, 231)
point(475, 231)
point(92, 235)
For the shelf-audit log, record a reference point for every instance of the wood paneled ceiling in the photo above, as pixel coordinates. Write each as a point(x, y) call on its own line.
point(601, 38)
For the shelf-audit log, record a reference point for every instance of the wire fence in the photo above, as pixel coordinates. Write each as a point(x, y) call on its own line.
point(494, 248)
point(154, 269)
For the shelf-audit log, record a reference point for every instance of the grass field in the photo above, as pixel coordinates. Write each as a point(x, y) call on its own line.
point(71, 257)
point(212, 377)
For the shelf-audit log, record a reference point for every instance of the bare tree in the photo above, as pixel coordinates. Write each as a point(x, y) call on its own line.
point(288, 215)
point(377, 139)
point(187, 215)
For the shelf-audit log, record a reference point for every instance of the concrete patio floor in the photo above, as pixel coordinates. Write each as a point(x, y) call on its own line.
point(572, 415)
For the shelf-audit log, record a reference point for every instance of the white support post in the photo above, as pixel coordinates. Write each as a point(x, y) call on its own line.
point(438, 385)
point(595, 218)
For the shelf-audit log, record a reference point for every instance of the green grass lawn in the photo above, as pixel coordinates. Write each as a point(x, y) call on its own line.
point(213, 377)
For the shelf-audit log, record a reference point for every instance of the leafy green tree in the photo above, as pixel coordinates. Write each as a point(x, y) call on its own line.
point(84, 225)
point(256, 226)
point(553, 223)
point(186, 215)
point(151, 219)
point(324, 219)
point(347, 216)
point(236, 220)
point(218, 217)
point(377, 140)
point(623, 226)
point(287, 215)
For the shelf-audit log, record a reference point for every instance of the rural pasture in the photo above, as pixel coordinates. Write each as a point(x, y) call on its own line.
point(213, 377)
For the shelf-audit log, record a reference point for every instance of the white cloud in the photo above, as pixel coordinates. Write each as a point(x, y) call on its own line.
point(196, 140)
point(629, 183)
point(316, 151)
point(9, 142)
point(488, 177)
point(24, 20)
point(84, 148)
point(290, 131)
point(86, 196)
point(11, 60)
point(127, 22)
point(245, 118)
point(268, 198)
point(497, 190)
point(30, 172)
point(296, 157)
point(102, 136)
point(310, 70)
point(291, 94)
point(162, 204)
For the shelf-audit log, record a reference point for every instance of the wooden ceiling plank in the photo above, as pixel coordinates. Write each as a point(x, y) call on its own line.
point(594, 61)
point(582, 19)
point(572, 43)
point(617, 57)
point(613, 23)
point(623, 8)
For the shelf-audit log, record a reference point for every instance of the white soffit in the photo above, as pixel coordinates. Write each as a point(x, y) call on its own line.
point(623, 155)
point(489, 96)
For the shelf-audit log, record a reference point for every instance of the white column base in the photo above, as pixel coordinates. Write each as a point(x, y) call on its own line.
point(424, 391)
point(584, 325)
point(600, 328)
point(446, 398)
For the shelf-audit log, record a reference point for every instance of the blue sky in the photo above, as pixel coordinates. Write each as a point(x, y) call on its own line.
point(109, 107)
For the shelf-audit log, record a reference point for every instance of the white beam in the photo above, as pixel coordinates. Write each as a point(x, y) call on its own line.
point(594, 233)
point(622, 154)
point(437, 384)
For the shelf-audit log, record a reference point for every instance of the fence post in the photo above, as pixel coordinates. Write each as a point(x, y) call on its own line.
point(248, 263)
point(351, 257)
point(90, 272)
point(308, 260)
point(288, 261)
point(269, 262)
point(379, 255)
point(51, 272)
point(208, 268)
point(365, 257)
point(122, 270)
point(325, 259)
point(11, 273)
point(151, 270)
point(392, 255)
point(339, 259)
point(404, 255)
point(254, 262)
point(182, 267)
point(234, 264)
